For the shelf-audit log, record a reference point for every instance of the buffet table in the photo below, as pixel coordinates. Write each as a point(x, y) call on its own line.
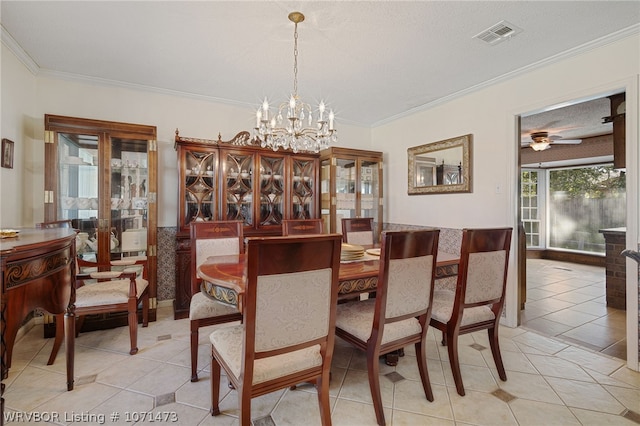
point(38, 271)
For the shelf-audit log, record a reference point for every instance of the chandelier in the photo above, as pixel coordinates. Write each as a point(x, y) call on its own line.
point(292, 126)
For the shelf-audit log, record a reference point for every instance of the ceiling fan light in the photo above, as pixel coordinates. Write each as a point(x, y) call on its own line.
point(539, 146)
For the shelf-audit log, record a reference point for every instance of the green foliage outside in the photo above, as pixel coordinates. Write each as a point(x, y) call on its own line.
point(589, 182)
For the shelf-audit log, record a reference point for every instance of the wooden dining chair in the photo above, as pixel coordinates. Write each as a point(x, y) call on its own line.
point(302, 226)
point(477, 302)
point(118, 286)
point(358, 231)
point(287, 336)
point(54, 224)
point(215, 238)
point(399, 315)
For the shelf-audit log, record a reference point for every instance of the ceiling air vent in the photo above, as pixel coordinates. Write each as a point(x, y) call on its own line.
point(501, 31)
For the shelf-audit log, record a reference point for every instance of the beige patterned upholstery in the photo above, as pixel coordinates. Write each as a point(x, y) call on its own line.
point(363, 238)
point(117, 286)
point(203, 307)
point(287, 335)
point(406, 293)
point(303, 300)
point(485, 274)
point(228, 341)
point(298, 294)
point(215, 247)
point(477, 300)
point(107, 292)
point(399, 315)
point(215, 238)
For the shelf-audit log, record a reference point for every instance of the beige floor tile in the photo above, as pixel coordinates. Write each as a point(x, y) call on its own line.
point(473, 378)
point(534, 413)
point(356, 388)
point(558, 367)
point(409, 396)
point(596, 335)
point(479, 408)
point(546, 326)
point(630, 398)
point(539, 343)
point(161, 380)
point(627, 375)
point(113, 412)
point(298, 408)
point(590, 360)
point(591, 396)
point(350, 413)
point(183, 414)
point(527, 386)
point(403, 418)
point(593, 418)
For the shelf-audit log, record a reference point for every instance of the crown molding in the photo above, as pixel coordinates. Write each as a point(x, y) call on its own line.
point(594, 44)
point(19, 52)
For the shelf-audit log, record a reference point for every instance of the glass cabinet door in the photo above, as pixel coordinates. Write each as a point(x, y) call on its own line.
point(351, 186)
point(272, 193)
point(345, 189)
point(369, 189)
point(103, 176)
point(199, 182)
point(77, 192)
point(238, 183)
point(129, 197)
point(304, 189)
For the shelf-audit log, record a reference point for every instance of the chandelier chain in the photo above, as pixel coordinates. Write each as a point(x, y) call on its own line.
point(295, 60)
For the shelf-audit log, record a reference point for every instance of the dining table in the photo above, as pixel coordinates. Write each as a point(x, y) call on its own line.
point(224, 279)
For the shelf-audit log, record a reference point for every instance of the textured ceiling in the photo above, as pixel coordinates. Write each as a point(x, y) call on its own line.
point(371, 61)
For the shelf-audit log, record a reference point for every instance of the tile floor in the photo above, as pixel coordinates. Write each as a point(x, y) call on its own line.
point(567, 300)
point(549, 382)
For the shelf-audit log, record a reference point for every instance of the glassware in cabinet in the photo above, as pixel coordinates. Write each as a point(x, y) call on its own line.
point(351, 186)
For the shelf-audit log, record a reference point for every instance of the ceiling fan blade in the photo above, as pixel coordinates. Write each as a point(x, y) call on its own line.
point(567, 141)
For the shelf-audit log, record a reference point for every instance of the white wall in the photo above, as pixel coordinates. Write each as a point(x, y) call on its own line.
point(489, 114)
point(193, 117)
point(17, 103)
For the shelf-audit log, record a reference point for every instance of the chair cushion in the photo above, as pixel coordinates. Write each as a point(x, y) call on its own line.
point(443, 301)
point(203, 307)
point(228, 343)
point(107, 292)
point(356, 318)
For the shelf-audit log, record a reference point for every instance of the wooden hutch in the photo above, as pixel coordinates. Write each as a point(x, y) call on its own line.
point(238, 180)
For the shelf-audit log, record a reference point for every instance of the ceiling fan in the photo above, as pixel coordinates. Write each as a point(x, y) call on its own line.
point(542, 141)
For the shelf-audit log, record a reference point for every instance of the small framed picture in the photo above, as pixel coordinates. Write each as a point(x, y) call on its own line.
point(7, 153)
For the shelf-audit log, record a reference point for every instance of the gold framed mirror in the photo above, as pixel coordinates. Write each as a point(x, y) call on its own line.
point(440, 167)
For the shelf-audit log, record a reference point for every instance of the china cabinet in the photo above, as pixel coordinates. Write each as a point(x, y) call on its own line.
point(351, 186)
point(102, 175)
point(238, 180)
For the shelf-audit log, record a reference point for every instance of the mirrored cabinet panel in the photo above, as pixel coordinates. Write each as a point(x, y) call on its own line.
point(102, 176)
point(351, 185)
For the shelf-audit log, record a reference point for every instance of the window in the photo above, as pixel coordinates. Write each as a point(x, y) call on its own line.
point(582, 201)
point(531, 210)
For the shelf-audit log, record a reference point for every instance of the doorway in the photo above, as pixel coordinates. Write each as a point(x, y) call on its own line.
point(564, 288)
